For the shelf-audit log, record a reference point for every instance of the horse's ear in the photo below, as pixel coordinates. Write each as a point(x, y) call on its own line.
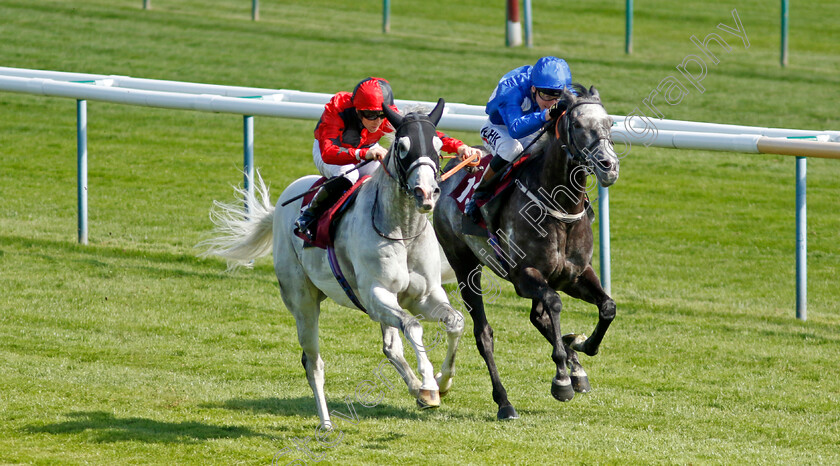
point(395, 118)
point(594, 93)
point(437, 112)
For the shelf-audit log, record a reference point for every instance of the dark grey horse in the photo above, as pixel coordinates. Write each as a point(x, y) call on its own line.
point(543, 240)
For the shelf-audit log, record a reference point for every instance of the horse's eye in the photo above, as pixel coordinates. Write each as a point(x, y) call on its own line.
point(577, 125)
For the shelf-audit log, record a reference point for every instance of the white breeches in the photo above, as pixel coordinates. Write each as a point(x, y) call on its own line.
point(499, 142)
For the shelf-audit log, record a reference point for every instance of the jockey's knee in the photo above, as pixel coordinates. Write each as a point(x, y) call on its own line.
point(508, 150)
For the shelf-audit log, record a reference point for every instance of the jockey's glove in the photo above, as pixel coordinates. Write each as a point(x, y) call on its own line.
point(556, 110)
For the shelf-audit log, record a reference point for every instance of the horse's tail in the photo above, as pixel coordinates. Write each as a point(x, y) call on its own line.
point(242, 234)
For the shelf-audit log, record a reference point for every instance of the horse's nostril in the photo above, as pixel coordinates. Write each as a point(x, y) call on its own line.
point(418, 191)
point(606, 165)
point(437, 191)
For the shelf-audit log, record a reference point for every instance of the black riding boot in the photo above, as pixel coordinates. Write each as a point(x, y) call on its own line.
point(326, 196)
point(485, 188)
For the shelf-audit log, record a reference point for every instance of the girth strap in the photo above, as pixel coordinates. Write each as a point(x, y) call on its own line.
point(339, 275)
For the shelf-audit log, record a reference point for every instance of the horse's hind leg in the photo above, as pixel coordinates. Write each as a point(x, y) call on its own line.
point(588, 288)
point(302, 300)
point(542, 321)
point(307, 330)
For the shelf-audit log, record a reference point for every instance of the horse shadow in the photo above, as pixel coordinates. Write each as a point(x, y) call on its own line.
point(106, 428)
point(305, 407)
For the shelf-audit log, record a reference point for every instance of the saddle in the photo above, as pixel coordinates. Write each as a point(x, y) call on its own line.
point(327, 222)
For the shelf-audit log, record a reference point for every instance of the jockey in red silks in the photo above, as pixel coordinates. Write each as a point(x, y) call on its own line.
point(517, 109)
point(349, 132)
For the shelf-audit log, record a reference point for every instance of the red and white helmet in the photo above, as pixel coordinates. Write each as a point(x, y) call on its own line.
point(371, 93)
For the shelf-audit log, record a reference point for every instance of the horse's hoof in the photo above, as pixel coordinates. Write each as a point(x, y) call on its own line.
point(428, 399)
point(562, 392)
point(575, 341)
point(581, 384)
point(507, 413)
point(444, 387)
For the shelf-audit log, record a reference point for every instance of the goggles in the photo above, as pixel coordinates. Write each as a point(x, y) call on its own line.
point(371, 114)
point(549, 94)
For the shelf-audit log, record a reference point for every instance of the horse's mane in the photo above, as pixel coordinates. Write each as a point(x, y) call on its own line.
point(581, 91)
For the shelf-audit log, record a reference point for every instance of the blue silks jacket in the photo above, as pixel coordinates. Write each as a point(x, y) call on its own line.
point(513, 105)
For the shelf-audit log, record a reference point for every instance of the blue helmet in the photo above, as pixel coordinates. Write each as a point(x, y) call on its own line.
point(551, 73)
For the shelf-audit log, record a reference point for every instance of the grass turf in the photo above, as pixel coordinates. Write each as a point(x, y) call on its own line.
point(132, 350)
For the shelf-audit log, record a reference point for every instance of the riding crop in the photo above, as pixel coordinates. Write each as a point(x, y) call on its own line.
point(288, 201)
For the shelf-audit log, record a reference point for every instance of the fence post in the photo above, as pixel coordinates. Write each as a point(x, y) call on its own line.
point(147, 4)
point(81, 169)
point(386, 16)
point(255, 10)
point(801, 241)
point(628, 27)
point(513, 28)
point(784, 45)
point(604, 236)
point(528, 23)
point(248, 150)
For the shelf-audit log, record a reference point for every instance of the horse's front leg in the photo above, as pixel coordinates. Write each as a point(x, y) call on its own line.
point(542, 321)
point(384, 307)
point(530, 283)
point(393, 348)
point(436, 307)
point(588, 288)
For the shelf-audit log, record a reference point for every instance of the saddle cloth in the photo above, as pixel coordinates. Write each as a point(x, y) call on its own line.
point(489, 207)
point(327, 222)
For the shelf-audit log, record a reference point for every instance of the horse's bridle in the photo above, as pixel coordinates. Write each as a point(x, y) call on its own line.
point(403, 170)
point(580, 156)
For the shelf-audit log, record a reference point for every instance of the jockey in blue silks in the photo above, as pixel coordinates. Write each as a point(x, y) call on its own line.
point(517, 109)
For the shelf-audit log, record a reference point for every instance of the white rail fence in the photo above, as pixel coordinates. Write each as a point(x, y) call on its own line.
point(283, 103)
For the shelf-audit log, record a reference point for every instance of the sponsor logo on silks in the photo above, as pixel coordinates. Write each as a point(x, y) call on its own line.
point(490, 136)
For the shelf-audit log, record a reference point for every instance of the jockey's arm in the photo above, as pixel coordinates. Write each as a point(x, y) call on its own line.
point(335, 154)
point(456, 146)
point(520, 124)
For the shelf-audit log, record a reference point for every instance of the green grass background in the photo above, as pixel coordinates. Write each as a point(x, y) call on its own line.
point(132, 350)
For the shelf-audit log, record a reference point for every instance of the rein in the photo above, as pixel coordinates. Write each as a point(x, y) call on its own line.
point(379, 232)
point(472, 161)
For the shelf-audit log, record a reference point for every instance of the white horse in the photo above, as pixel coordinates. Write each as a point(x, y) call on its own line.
point(385, 246)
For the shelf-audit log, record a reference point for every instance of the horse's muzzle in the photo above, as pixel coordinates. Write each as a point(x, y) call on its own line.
point(606, 166)
point(426, 198)
point(607, 173)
